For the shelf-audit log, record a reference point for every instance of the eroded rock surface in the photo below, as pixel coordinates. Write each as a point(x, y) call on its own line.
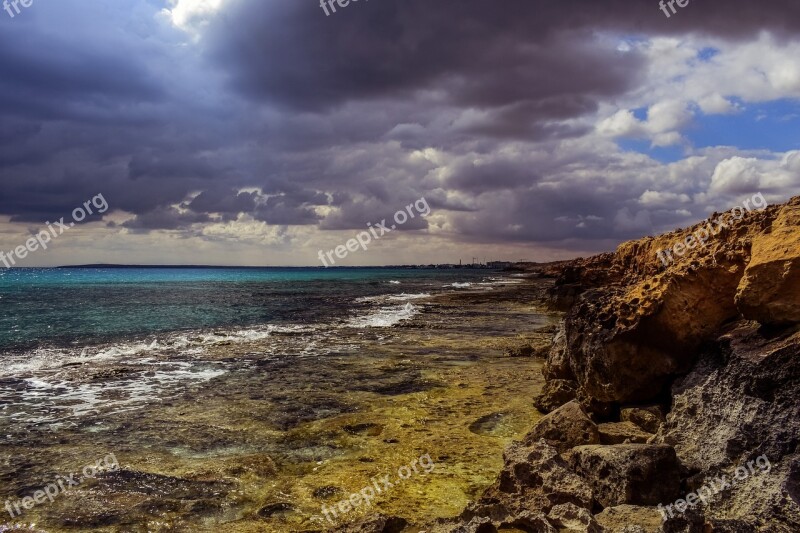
point(566, 427)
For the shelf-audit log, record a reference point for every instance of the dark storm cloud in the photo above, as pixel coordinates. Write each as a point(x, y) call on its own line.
point(483, 53)
point(164, 218)
point(228, 202)
point(323, 112)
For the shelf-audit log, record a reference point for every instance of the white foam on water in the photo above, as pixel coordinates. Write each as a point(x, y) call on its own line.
point(187, 343)
point(52, 399)
point(394, 282)
point(385, 317)
point(402, 297)
point(458, 285)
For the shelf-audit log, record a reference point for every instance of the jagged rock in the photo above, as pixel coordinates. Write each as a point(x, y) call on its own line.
point(638, 474)
point(637, 519)
point(534, 477)
point(570, 517)
point(648, 418)
point(557, 364)
point(566, 427)
point(622, 433)
point(555, 393)
point(639, 324)
point(738, 403)
point(769, 290)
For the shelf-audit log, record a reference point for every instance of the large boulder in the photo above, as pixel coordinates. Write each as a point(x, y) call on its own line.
point(770, 289)
point(637, 474)
point(566, 427)
point(739, 403)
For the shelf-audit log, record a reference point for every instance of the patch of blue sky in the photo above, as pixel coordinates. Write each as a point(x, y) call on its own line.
point(772, 126)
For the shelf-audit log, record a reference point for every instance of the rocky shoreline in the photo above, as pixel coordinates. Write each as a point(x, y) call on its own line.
point(671, 393)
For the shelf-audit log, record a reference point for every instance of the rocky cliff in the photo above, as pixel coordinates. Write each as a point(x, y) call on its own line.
point(672, 391)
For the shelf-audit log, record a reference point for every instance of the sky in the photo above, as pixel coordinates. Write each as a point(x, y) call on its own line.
point(259, 132)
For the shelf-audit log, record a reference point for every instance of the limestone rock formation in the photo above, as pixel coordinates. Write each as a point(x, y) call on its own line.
point(648, 418)
point(637, 474)
point(637, 323)
point(739, 403)
point(534, 477)
point(566, 427)
point(622, 433)
point(769, 290)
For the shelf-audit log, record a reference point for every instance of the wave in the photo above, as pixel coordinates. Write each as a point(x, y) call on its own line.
point(385, 317)
point(189, 343)
point(402, 297)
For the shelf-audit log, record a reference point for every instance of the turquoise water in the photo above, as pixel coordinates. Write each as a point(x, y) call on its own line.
point(74, 307)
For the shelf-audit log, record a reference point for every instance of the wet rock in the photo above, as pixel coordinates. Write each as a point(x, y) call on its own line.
point(622, 433)
point(487, 425)
point(648, 418)
point(369, 429)
point(555, 393)
point(275, 509)
point(375, 524)
point(770, 287)
point(566, 427)
point(519, 349)
point(570, 517)
point(259, 464)
point(327, 492)
point(638, 474)
point(131, 481)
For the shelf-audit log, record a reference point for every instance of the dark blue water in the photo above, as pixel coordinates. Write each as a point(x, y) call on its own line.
point(81, 306)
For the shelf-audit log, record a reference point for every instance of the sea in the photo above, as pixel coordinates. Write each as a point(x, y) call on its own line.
point(244, 399)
